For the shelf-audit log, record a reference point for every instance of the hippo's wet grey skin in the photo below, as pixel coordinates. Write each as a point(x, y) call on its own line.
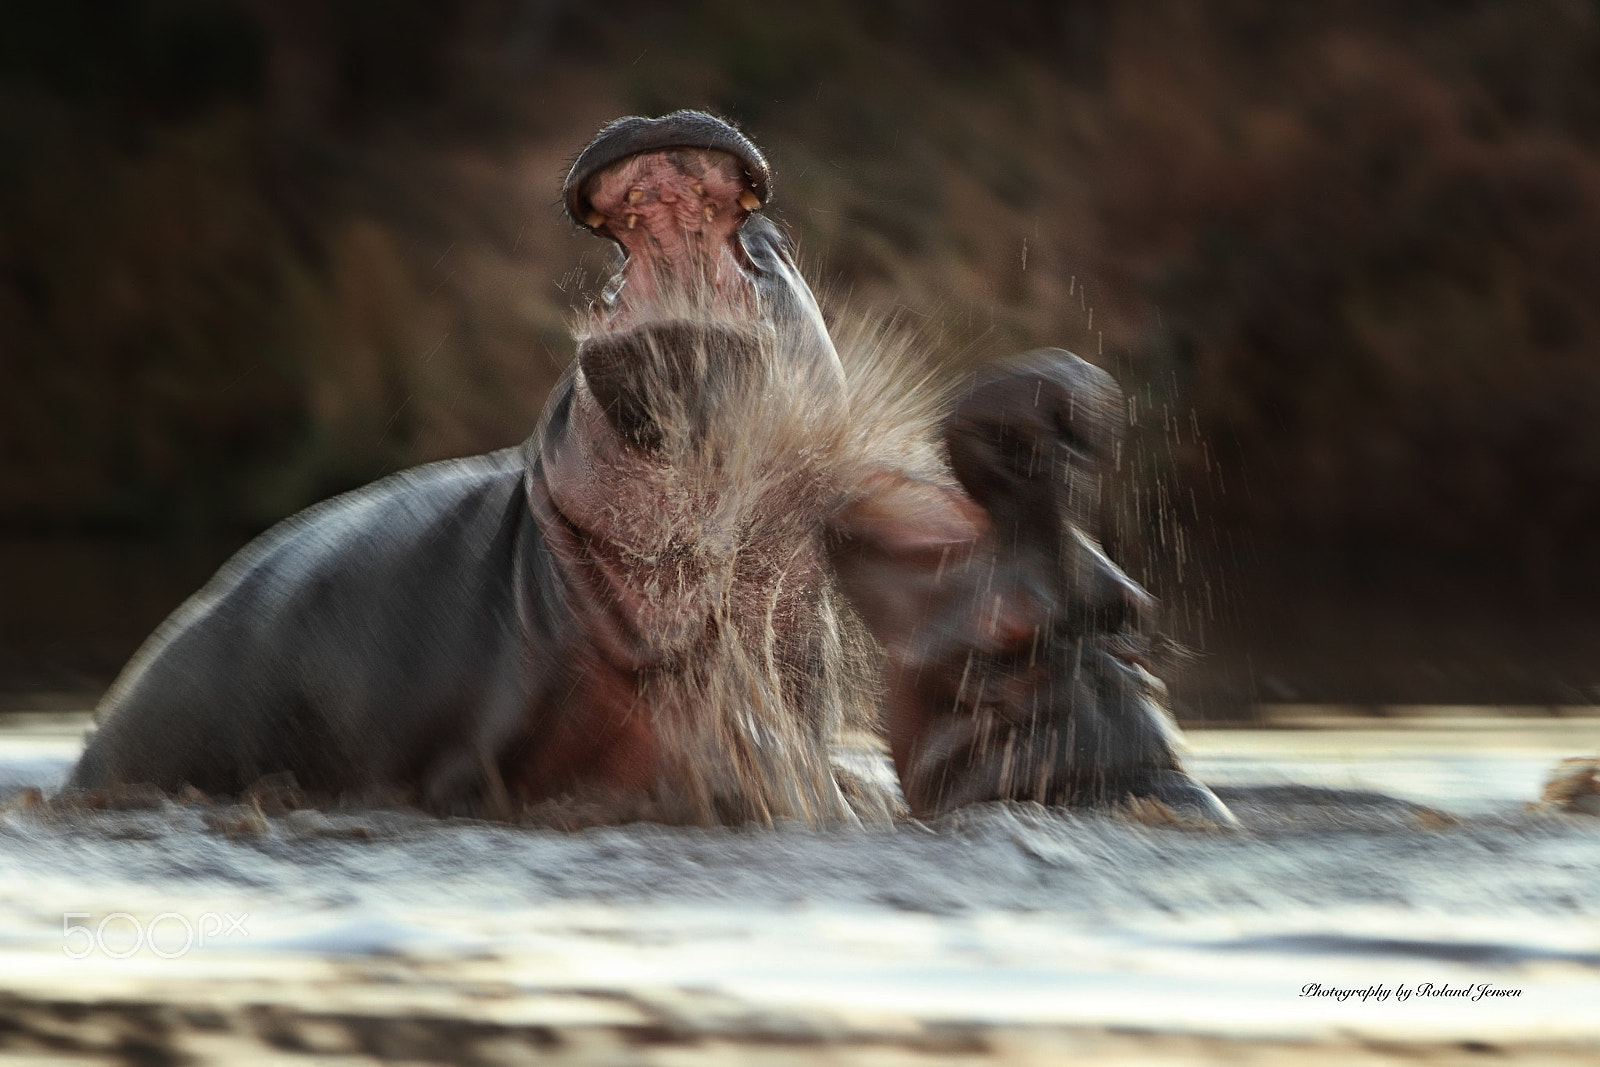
point(381, 642)
point(638, 606)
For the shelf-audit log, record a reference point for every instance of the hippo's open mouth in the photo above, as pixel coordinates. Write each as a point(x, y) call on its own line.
point(673, 193)
point(685, 336)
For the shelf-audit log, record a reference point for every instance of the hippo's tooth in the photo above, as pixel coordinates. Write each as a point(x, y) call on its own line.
point(635, 195)
point(749, 200)
point(632, 220)
point(699, 188)
point(594, 220)
point(709, 211)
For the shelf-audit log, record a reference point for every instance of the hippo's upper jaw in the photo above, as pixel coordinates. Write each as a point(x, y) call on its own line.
point(673, 193)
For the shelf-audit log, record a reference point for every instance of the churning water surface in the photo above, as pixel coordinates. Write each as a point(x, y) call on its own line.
point(1378, 870)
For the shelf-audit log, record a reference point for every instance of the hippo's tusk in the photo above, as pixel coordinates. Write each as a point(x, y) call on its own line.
point(594, 220)
point(749, 200)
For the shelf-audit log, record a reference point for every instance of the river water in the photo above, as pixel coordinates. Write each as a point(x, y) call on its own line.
point(1395, 856)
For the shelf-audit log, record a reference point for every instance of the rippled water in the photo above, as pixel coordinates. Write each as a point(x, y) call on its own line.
point(1370, 858)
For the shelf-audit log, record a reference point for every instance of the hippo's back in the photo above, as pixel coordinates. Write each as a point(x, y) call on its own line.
point(376, 640)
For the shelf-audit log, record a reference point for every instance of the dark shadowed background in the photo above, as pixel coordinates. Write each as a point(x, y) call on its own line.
point(1345, 257)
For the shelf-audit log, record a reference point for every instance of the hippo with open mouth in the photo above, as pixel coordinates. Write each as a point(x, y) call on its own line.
point(658, 602)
